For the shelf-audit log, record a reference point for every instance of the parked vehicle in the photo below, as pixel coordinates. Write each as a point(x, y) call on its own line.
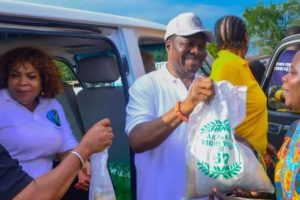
point(263, 59)
point(99, 56)
point(280, 117)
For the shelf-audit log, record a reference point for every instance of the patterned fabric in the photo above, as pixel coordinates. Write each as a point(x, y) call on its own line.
point(287, 176)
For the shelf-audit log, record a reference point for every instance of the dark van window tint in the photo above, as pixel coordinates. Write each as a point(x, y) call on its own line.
point(153, 53)
point(281, 68)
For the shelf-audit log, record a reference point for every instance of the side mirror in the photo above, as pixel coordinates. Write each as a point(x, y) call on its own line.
point(275, 98)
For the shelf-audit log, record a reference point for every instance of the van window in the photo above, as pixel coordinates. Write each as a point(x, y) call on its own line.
point(274, 89)
point(99, 71)
point(65, 71)
point(153, 53)
point(67, 75)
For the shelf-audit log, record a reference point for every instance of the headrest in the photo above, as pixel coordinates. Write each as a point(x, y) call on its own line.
point(102, 69)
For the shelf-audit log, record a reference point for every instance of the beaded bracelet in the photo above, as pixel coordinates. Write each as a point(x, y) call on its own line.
point(78, 156)
point(179, 114)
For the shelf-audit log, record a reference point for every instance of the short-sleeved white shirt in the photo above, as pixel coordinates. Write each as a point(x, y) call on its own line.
point(161, 172)
point(34, 137)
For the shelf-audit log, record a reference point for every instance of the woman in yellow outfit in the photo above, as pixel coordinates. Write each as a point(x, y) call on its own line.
point(232, 41)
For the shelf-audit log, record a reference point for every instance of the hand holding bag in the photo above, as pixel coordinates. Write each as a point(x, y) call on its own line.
point(101, 187)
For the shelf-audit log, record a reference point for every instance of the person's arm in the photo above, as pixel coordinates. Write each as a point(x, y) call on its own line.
point(148, 135)
point(69, 143)
point(55, 183)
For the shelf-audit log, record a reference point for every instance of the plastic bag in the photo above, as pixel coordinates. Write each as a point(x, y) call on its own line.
point(101, 187)
point(214, 157)
point(121, 178)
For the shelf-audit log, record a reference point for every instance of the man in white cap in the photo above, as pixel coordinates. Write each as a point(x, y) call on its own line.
point(158, 109)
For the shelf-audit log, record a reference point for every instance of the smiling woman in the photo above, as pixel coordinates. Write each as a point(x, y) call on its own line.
point(28, 84)
point(291, 84)
point(287, 175)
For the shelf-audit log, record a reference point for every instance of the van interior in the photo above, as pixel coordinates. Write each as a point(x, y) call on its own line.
point(94, 85)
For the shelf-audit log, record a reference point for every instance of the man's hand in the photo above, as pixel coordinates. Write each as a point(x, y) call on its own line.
point(201, 90)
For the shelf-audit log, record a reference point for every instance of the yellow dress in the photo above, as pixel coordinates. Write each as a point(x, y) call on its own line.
point(234, 69)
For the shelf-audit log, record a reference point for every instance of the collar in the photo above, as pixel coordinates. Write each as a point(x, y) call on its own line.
point(4, 94)
point(231, 56)
point(167, 74)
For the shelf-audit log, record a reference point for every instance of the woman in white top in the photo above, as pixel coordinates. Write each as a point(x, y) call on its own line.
point(33, 126)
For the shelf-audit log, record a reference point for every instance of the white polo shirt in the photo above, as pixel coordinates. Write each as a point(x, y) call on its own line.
point(161, 172)
point(34, 137)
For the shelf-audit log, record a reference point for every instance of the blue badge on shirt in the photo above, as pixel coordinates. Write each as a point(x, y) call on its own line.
point(52, 115)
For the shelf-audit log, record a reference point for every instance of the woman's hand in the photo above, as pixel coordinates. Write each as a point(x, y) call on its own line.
point(84, 177)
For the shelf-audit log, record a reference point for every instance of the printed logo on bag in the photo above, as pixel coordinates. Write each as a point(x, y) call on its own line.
point(225, 158)
point(52, 115)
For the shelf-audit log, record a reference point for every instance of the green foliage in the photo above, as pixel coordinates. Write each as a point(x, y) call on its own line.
point(267, 23)
point(212, 49)
point(158, 51)
point(65, 71)
point(292, 12)
point(120, 175)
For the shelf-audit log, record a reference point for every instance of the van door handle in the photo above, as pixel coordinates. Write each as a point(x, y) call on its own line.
point(286, 128)
point(274, 128)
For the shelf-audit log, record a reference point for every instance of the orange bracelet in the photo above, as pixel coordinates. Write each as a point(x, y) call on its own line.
point(179, 114)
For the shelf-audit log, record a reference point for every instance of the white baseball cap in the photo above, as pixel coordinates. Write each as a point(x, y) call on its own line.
point(187, 24)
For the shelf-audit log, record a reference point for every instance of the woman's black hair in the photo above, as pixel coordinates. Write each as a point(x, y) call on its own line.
point(230, 32)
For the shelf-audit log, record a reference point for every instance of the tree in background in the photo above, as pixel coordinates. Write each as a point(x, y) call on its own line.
point(212, 49)
point(65, 71)
point(267, 23)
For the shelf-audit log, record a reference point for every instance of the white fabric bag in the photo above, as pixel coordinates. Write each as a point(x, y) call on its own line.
point(101, 187)
point(214, 158)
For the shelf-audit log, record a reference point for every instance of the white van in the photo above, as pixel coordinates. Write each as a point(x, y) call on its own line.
point(99, 56)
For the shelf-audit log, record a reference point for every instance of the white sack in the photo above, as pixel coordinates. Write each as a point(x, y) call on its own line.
point(214, 157)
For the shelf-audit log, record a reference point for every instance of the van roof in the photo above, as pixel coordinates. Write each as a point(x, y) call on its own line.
point(38, 11)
